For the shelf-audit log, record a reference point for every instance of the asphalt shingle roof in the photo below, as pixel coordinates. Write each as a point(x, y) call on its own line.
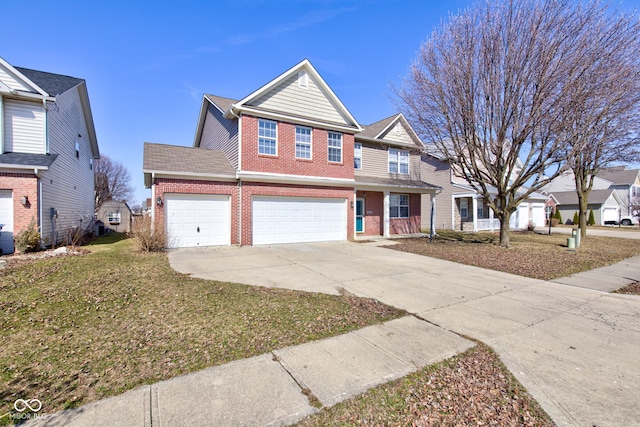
point(222, 102)
point(372, 130)
point(173, 158)
point(53, 84)
point(619, 175)
point(27, 159)
point(390, 182)
point(596, 197)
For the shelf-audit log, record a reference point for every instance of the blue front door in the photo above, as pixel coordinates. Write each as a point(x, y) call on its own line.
point(359, 215)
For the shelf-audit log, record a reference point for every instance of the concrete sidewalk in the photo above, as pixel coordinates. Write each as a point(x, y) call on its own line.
point(573, 347)
point(272, 389)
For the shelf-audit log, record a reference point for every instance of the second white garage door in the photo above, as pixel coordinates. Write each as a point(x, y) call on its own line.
point(197, 220)
point(298, 219)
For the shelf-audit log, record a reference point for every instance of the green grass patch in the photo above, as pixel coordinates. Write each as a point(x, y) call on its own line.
point(80, 328)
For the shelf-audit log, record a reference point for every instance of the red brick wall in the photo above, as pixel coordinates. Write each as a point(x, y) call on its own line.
point(285, 190)
point(285, 161)
point(22, 184)
point(192, 186)
point(374, 203)
point(411, 224)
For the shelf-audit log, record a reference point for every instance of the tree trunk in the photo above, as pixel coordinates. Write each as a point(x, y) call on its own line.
point(504, 218)
point(583, 201)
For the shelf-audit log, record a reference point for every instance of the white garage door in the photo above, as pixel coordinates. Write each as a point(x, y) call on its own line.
point(197, 220)
point(610, 214)
point(6, 219)
point(298, 219)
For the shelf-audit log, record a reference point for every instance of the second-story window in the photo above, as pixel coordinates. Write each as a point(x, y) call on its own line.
point(357, 156)
point(267, 137)
point(335, 147)
point(303, 142)
point(398, 161)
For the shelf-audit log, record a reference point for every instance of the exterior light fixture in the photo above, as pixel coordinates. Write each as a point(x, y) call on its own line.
point(24, 200)
point(159, 201)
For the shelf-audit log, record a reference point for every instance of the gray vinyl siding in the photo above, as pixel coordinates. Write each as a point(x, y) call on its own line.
point(23, 126)
point(437, 173)
point(375, 162)
point(220, 134)
point(289, 98)
point(9, 80)
point(398, 133)
point(68, 185)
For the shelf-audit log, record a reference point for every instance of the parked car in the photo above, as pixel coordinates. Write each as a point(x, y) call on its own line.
point(629, 220)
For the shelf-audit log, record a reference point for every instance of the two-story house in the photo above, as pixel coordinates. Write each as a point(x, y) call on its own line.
point(287, 163)
point(47, 147)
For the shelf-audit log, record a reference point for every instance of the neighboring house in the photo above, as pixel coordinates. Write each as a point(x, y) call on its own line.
point(625, 182)
point(115, 215)
point(460, 207)
point(605, 204)
point(287, 163)
point(47, 147)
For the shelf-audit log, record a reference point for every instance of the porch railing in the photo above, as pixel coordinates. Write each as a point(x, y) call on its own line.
point(490, 224)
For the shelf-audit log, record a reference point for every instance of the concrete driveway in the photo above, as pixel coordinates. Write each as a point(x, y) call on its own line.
point(575, 349)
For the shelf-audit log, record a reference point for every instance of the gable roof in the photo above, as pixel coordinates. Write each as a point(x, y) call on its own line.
point(379, 131)
point(252, 102)
point(619, 175)
point(180, 160)
point(53, 84)
point(596, 197)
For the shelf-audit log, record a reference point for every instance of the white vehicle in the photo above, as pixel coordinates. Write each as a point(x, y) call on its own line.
point(629, 220)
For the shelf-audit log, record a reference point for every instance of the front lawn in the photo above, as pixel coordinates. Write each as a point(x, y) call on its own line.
point(539, 256)
point(76, 329)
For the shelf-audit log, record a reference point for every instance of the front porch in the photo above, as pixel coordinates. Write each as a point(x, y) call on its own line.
point(470, 213)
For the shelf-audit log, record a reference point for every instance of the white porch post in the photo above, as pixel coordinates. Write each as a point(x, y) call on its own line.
point(474, 206)
point(491, 219)
point(385, 215)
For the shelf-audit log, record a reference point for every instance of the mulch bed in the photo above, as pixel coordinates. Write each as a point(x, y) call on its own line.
point(632, 289)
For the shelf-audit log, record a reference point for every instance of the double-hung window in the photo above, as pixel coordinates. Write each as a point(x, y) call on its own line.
point(303, 142)
point(113, 217)
point(399, 205)
point(398, 161)
point(267, 137)
point(335, 147)
point(357, 156)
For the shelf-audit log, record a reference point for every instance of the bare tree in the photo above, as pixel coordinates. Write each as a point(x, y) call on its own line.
point(112, 181)
point(491, 89)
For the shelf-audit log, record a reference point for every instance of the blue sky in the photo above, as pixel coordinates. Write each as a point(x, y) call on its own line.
point(148, 63)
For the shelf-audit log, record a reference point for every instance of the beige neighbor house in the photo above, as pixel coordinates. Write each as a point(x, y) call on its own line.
point(116, 216)
point(47, 147)
point(287, 163)
point(459, 207)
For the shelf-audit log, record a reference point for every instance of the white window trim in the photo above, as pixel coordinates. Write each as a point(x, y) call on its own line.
point(393, 152)
point(399, 205)
point(330, 146)
point(275, 138)
point(113, 218)
point(357, 147)
point(77, 149)
point(304, 143)
point(464, 205)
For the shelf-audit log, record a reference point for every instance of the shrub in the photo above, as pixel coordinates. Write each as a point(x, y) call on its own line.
point(558, 216)
point(149, 237)
point(592, 219)
point(576, 218)
point(555, 222)
point(28, 240)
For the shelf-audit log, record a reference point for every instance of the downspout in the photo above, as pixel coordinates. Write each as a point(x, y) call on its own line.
point(240, 211)
point(1, 125)
point(46, 126)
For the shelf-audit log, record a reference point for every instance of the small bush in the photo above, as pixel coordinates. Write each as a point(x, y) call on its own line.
point(576, 218)
point(592, 219)
point(149, 237)
point(555, 222)
point(558, 216)
point(28, 240)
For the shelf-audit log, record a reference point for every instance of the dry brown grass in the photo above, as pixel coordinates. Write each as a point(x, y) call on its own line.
point(471, 389)
point(531, 255)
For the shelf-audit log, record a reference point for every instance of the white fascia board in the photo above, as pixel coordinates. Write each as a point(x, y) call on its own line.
point(295, 179)
point(88, 118)
point(190, 175)
point(388, 126)
point(18, 94)
point(5, 166)
point(24, 78)
point(201, 116)
point(296, 120)
point(386, 142)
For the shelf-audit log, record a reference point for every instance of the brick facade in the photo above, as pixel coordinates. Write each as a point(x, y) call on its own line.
point(374, 215)
point(408, 225)
point(22, 184)
point(192, 186)
point(285, 162)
